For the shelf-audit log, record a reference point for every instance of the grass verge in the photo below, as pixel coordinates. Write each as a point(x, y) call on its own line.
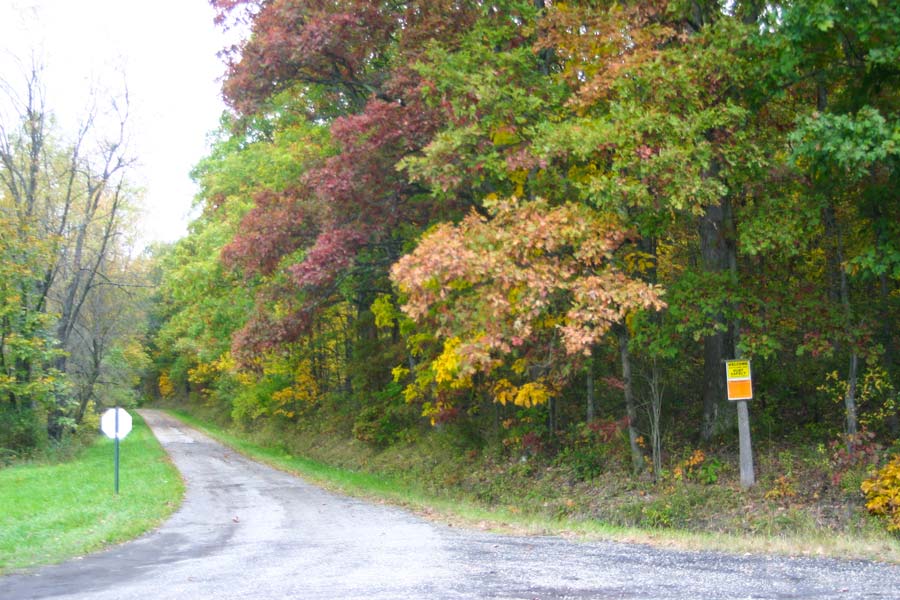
point(49, 513)
point(461, 510)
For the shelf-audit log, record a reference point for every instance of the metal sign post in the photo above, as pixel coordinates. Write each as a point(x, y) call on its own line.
point(117, 451)
point(116, 424)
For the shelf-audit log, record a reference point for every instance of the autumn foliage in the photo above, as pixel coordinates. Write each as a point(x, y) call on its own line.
point(529, 280)
point(520, 217)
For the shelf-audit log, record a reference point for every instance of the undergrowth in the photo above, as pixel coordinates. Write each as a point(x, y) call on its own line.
point(797, 506)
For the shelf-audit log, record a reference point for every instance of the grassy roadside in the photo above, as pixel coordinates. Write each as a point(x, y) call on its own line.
point(458, 509)
point(49, 513)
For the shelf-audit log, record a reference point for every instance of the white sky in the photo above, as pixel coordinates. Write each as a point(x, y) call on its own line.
point(167, 52)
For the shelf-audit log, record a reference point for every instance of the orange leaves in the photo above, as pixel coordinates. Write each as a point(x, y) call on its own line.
point(596, 46)
point(532, 276)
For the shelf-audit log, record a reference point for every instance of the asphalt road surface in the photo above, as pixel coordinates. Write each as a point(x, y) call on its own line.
point(248, 531)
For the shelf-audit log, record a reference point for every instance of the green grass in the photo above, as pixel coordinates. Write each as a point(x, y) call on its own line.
point(49, 513)
point(456, 509)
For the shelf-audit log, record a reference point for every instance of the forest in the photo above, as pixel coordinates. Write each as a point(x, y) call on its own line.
point(513, 240)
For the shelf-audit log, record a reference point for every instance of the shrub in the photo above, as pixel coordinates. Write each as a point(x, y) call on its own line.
point(590, 448)
point(387, 420)
point(22, 430)
point(882, 492)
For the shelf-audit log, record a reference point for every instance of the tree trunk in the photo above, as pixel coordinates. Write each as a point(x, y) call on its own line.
point(637, 456)
point(589, 381)
point(887, 333)
point(850, 399)
point(552, 417)
point(715, 253)
point(655, 414)
point(852, 424)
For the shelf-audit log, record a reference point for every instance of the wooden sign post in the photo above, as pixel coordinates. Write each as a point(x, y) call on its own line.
point(740, 389)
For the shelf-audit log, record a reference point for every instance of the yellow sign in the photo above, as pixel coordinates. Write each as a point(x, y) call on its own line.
point(738, 369)
point(740, 386)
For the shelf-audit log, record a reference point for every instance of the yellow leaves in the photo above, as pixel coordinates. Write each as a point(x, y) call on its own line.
point(384, 310)
point(434, 410)
point(583, 174)
point(490, 288)
point(284, 401)
point(166, 388)
point(882, 493)
point(782, 490)
point(225, 363)
point(504, 392)
point(245, 378)
point(530, 394)
point(399, 373)
point(446, 366)
point(505, 135)
point(696, 458)
point(411, 393)
point(520, 178)
point(419, 387)
point(514, 295)
point(201, 374)
point(207, 372)
point(686, 468)
point(639, 263)
point(303, 390)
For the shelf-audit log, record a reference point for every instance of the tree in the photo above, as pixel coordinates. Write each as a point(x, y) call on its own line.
point(524, 295)
point(67, 200)
point(842, 59)
point(420, 186)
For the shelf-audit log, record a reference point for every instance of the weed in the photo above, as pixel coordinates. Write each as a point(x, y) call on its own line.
point(782, 490)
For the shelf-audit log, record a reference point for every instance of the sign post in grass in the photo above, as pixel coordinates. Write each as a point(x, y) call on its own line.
point(740, 390)
point(116, 423)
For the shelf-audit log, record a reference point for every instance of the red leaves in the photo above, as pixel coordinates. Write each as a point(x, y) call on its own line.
point(362, 183)
point(318, 42)
point(333, 251)
point(263, 333)
point(614, 382)
point(608, 429)
point(276, 226)
point(645, 152)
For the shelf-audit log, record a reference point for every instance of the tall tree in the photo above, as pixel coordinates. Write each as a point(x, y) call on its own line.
point(69, 196)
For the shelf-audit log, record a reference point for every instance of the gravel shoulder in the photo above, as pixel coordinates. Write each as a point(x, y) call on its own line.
point(246, 530)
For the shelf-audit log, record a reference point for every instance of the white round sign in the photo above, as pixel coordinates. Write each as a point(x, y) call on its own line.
point(108, 423)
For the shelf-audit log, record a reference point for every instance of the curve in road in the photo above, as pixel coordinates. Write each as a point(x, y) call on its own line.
point(248, 531)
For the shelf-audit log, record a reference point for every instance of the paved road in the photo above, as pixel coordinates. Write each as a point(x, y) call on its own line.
point(248, 531)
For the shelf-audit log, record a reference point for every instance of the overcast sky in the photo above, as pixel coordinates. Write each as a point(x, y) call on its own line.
point(167, 52)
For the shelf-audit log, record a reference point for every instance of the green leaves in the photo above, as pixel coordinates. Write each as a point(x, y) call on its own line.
point(850, 143)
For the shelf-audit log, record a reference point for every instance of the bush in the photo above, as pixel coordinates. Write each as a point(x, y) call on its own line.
point(883, 493)
point(387, 420)
point(22, 430)
point(592, 448)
